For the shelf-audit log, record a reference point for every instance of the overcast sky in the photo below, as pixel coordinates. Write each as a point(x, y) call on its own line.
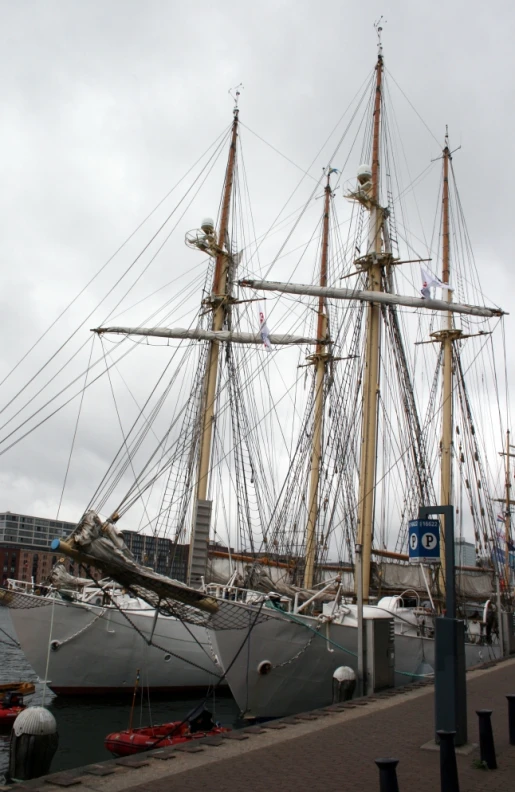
point(105, 104)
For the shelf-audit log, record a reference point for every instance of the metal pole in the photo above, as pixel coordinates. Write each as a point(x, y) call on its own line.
point(450, 682)
point(359, 580)
point(511, 717)
point(499, 613)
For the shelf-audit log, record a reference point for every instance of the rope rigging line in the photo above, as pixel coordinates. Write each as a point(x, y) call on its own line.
point(75, 431)
point(102, 268)
point(120, 279)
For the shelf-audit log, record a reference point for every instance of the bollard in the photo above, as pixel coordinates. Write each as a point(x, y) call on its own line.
point(34, 742)
point(344, 684)
point(448, 768)
point(486, 739)
point(387, 775)
point(511, 717)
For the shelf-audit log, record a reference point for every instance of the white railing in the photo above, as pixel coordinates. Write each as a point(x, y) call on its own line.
point(245, 596)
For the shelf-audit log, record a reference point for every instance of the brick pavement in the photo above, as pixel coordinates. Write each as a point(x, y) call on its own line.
point(341, 756)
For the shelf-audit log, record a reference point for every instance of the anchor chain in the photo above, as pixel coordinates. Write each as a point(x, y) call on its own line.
point(57, 644)
point(303, 649)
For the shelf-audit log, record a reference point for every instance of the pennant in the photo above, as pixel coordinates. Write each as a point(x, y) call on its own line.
point(428, 281)
point(501, 518)
point(264, 332)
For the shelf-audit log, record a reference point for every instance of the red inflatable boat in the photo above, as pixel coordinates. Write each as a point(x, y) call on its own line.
point(11, 701)
point(132, 741)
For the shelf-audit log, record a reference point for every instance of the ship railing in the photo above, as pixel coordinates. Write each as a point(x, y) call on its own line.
point(246, 596)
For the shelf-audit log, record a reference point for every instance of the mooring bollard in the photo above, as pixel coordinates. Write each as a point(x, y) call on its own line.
point(448, 767)
point(387, 775)
point(511, 717)
point(486, 739)
point(344, 684)
point(34, 742)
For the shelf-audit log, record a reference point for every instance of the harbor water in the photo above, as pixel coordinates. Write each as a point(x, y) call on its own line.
point(84, 722)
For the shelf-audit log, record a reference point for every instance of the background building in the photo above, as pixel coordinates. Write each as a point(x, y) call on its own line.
point(25, 550)
point(25, 546)
point(464, 553)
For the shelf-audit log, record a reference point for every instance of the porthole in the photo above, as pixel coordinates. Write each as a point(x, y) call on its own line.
point(264, 667)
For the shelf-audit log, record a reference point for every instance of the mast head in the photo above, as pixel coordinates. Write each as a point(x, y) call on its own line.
point(235, 94)
point(379, 29)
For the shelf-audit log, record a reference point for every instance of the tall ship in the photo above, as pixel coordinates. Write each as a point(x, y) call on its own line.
point(327, 452)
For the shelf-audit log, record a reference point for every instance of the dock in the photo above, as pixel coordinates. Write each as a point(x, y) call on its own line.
point(329, 749)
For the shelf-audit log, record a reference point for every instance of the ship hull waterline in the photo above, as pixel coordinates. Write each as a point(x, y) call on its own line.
point(96, 650)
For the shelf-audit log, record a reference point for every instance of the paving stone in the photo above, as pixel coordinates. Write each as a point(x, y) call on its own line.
point(164, 755)
point(63, 779)
point(214, 741)
point(188, 747)
point(236, 735)
point(275, 725)
point(132, 761)
point(99, 770)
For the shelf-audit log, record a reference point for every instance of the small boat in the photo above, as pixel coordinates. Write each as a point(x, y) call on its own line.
point(21, 688)
point(12, 702)
point(146, 738)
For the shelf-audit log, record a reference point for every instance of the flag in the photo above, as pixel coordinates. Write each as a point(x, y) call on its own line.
point(264, 332)
point(428, 281)
point(501, 518)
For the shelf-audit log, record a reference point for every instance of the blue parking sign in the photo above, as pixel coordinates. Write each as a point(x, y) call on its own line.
point(424, 541)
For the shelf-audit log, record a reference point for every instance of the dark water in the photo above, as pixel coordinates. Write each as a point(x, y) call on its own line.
point(83, 722)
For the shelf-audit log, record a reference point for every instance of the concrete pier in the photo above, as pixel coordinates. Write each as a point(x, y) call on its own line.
point(329, 749)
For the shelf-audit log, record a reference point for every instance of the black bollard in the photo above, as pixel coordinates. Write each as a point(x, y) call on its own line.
point(448, 767)
point(486, 739)
point(387, 775)
point(511, 717)
point(34, 741)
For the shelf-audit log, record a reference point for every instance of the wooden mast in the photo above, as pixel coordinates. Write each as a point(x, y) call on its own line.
point(507, 515)
point(219, 304)
point(218, 301)
point(320, 359)
point(447, 336)
point(372, 347)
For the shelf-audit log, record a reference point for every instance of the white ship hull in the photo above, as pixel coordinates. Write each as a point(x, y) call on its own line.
point(95, 650)
point(302, 663)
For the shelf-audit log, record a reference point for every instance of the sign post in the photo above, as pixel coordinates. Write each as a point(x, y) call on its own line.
point(450, 683)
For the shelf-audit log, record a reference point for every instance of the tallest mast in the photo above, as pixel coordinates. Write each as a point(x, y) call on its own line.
point(373, 263)
point(447, 339)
